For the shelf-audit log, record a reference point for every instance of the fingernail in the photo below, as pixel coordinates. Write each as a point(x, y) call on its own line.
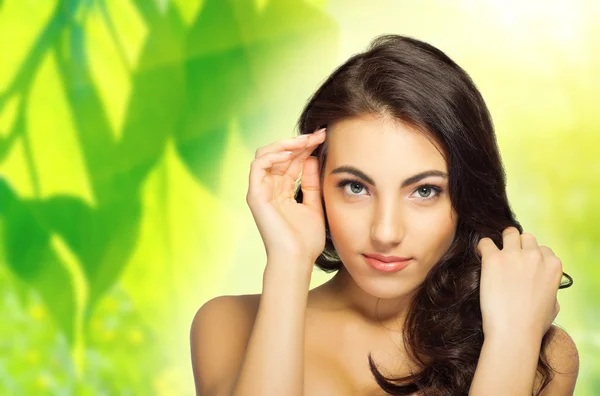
point(322, 130)
point(303, 136)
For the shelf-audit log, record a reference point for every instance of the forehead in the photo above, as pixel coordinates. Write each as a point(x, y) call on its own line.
point(381, 144)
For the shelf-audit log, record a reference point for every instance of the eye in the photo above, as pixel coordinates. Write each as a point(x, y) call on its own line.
point(425, 191)
point(355, 187)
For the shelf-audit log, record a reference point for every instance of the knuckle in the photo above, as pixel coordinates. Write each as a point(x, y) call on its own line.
point(527, 235)
point(534, 255)
point(556, 261)
point(483, 240)
point(557, 265)
point(547, 249)
point(254, 163)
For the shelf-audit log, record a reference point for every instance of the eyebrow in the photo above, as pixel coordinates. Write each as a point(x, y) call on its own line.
point(407, 182)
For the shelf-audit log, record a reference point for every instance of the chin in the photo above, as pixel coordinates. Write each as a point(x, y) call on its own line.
point(386, 288)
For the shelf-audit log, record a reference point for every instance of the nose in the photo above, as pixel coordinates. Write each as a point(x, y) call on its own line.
point(387, 229)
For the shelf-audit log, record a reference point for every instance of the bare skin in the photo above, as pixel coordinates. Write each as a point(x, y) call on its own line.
point(401, 210)
point(337, 344)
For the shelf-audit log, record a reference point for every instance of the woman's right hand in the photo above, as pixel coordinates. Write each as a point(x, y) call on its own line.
point(288, 229)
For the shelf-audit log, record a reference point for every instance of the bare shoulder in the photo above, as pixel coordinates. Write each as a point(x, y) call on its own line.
point(219, 335)
point(563, 358)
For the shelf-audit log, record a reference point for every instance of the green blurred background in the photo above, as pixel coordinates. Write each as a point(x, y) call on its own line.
point(126, 132)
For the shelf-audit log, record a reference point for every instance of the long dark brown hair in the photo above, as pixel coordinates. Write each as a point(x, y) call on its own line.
point(418, 84)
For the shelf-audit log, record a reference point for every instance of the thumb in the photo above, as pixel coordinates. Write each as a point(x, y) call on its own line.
point(310, 184)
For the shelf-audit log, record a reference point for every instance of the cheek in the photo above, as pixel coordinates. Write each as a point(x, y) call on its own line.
point(345, 224)
point(434, 230)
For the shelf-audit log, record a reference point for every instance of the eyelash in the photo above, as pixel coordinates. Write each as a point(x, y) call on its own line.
point(344, 182)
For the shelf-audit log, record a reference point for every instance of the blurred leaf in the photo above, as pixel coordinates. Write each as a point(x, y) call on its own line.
point(23, 29)
point(29, 255)
point(186, 242)
point(233, 61)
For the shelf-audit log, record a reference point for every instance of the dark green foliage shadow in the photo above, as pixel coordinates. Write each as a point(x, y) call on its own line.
point(188, 85)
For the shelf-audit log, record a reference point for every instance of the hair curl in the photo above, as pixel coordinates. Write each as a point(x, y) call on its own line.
point(418, 84)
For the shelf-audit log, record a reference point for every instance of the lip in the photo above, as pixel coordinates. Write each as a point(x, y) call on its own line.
point(383, 266)
point(387, 259)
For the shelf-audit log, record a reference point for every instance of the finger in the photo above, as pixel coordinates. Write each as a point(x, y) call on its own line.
point(310, 184)
point(528, 241)
point(554, 262)
point(292, 168)
point(260, 166)
point(486, 246)
point(297, 164)
point(511, 238)
point(283, 145)
point(546, 251)
point(280, 168)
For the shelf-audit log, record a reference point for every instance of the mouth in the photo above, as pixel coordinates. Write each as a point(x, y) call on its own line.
point(384, 266)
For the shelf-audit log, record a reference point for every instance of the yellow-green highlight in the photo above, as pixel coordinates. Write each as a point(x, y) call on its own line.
point(127, 128)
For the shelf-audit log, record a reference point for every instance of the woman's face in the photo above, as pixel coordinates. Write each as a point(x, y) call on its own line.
point(386, 214)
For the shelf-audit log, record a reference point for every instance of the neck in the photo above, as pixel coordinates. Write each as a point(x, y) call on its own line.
point(345, 294)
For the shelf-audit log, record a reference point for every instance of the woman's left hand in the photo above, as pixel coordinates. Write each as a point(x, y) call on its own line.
point(518, 285)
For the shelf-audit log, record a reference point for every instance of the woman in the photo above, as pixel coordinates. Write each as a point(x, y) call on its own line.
point(438, 291)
